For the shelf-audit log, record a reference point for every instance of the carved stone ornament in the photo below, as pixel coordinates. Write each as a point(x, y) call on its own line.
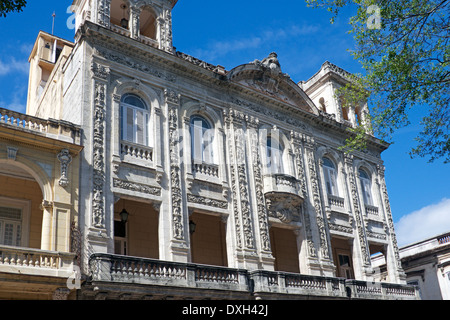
point(286, 208)
point(65, 159)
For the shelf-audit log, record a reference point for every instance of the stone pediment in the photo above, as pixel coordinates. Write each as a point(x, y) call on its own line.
point(267, 78)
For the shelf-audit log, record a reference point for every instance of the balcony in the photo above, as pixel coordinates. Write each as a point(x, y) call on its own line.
point(35, 262)
point(56, 129)
point(363, 290)
point(116, 275)
point(282, 183)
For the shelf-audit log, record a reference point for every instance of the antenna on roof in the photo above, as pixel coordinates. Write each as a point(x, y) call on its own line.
point(53, 23)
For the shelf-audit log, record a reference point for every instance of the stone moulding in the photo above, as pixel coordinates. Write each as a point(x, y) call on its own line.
point(136, 187)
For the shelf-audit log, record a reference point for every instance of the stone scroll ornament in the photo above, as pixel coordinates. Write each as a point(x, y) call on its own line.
point(65, 159)
point(173, 101)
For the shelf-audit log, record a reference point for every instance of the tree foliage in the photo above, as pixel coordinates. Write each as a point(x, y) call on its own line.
point(7, 6)
point(407, 68)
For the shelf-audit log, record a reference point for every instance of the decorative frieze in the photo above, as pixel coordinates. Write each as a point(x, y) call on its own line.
point(136, 187)
point(207, 201)
point(133, 63)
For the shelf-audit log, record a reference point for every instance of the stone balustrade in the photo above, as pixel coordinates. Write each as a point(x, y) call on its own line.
point(297, 284)
point(282, 183)
point(36, 262)
point(381, 290)
point(371, 210)
point(51, 128)
point(141, 271)
point(131, 152)
point(116, 268)
point(335, 201)
point(205, 169)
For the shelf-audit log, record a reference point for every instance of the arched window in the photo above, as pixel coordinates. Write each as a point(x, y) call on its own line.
point(202, 140)
point(274, 155)
point(147, 23)
point(330, 173)
point(135, 119)
point(366, 186)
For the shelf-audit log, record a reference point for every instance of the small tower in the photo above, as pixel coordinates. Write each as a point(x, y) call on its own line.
point(149, 21)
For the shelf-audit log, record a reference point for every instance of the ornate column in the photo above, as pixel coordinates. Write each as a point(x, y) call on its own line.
point(361, 252)
point(134, 22)
point(316, 200)
point(262, 218)
point(179, 248)
point(243, 224)
point(393, 262)
point(165, 31)
point(308, 253)
point(104, 13)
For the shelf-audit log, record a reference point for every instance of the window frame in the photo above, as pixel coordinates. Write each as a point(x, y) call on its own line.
point(125, 108)
point(280, 167)
point(25, 207)
point(207, 149)
point(366, 187)
point(331, 177)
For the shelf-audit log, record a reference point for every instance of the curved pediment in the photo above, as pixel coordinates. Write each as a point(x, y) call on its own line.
point(266, 77)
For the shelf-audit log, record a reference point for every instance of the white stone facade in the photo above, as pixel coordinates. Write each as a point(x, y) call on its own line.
point(260, 172)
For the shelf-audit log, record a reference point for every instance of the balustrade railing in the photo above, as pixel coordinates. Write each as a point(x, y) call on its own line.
point(444, 239)
point(35, 262)
point(335, 201)
point(141, 271)
point(211, 170)
point(371, 210)
point(22, 121)
point(380, 290)
point(131, 151)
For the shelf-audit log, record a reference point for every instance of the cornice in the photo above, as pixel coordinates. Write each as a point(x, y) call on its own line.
point(200, 72)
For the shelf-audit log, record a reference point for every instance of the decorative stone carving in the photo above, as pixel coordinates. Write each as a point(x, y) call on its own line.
point(390, 222)
point(98, 161)
point(207, 202)
point(136, 187)
point(356, 209)
point(103, 13)
point(285, 207)
point(65, 159)
point(173, 99)
point(309, 143)
point(263, 221)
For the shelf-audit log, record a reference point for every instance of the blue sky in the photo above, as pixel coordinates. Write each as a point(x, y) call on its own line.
point(230, 33)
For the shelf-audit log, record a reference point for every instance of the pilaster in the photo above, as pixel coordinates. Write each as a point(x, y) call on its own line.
point(246, 254)
point(179, 243)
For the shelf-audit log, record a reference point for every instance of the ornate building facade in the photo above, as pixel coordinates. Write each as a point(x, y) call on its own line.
point(196, 181)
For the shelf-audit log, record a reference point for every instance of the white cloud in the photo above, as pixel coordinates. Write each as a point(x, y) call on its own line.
point(424, 223)
point(270, 36)
point(13, 65)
